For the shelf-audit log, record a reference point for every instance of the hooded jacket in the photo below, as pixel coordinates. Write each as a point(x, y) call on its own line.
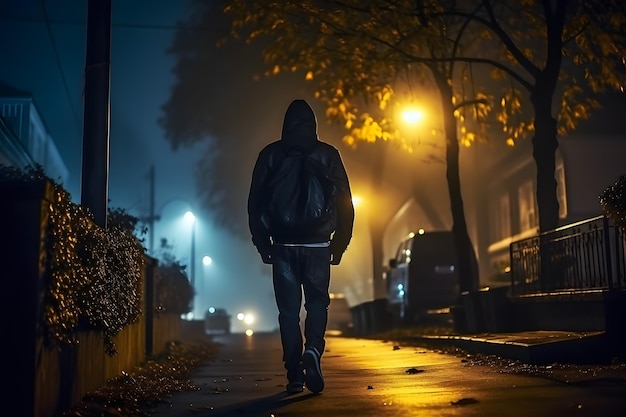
point(300, 129)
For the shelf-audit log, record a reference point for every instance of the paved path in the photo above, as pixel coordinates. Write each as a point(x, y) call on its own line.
point(376, 378)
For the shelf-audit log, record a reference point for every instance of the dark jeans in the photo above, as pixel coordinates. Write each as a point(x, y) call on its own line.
point(297, 268)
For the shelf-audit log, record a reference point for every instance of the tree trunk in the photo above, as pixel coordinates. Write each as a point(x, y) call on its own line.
point(466, 257)
point(545, 144)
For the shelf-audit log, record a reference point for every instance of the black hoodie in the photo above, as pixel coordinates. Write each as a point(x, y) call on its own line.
point(300, 129)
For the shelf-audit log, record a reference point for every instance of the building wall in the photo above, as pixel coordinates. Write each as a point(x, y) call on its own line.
point(25, 139)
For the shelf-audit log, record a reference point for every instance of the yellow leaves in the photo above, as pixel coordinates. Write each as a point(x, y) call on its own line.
point(275, 70)
point(510, 142)
point(384, 97)
point(370, 129)
point(528, 53)
point(349, 140)
point(575, 106)
point(467, 138)
point(277, 23)
point(309, 76)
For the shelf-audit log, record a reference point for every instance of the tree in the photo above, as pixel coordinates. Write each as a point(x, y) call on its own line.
point(565, 51)
point(562, 50)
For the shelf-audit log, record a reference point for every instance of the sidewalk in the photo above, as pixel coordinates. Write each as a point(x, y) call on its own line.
point(244, 376)
point(531, 347)
point(370, 377)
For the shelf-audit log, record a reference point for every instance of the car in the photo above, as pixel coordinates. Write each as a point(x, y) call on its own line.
point(217, 320)
point(423, 278)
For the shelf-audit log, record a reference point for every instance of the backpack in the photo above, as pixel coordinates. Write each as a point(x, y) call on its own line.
point(300, 196)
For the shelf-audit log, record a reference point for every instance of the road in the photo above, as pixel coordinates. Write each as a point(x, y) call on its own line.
point(377, 378)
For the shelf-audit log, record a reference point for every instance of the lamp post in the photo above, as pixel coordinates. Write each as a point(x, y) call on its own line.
point(189, 216)
point(204, 284)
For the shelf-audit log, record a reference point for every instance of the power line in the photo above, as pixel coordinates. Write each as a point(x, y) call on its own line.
point(60, 67)
point(114, 25)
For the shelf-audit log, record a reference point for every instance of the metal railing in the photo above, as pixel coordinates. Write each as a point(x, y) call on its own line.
point(586, 255)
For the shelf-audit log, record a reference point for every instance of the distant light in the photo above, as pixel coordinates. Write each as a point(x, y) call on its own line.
point(249, 332)
point(189, 217)
point(207, 260)
point(412, 116)
point(400, 287)
point(421, 231)
point(411, 235)
point(248, 319)
point(211, 310)
point(240, 316)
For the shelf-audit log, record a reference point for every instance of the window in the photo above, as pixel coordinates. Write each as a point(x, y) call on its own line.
point(504, 217)
point(12, 113)
point(501, 213)
point(528, 218)
point(559, 175)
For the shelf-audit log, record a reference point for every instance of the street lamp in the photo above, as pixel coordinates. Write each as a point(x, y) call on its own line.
point(412, 115)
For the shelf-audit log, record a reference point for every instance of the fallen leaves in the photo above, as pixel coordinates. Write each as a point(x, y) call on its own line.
point(464, 401)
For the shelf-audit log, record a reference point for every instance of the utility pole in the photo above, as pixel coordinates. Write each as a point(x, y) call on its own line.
point(152, 217)
point(96, 119)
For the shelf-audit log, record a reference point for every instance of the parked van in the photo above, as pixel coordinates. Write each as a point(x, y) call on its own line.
point(216, 320)
point(423, 277)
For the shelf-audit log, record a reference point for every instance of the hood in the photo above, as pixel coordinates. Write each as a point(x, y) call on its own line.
point(300, 124)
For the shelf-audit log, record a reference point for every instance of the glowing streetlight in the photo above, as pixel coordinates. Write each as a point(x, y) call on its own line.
point(189, 217)
point(412, 116)
point(207, 260)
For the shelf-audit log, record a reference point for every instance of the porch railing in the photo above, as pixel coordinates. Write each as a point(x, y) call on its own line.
point(586, 255)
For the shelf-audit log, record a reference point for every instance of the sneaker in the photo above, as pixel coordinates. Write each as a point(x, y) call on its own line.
point(313, 374)
point(295, 387)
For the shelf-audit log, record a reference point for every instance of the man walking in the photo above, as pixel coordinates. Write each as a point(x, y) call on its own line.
point(301, 217)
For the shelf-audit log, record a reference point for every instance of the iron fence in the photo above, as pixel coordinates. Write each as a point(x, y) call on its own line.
point(581, 256)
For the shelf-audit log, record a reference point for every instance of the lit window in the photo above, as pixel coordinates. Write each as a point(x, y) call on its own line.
point(559, 175)
point(501, 214)
point(527, 207)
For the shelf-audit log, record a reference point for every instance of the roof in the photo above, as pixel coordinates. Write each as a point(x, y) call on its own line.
point(10, 91)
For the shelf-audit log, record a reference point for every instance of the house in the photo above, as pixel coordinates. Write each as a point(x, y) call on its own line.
point(506, 211)
point(24, 138)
